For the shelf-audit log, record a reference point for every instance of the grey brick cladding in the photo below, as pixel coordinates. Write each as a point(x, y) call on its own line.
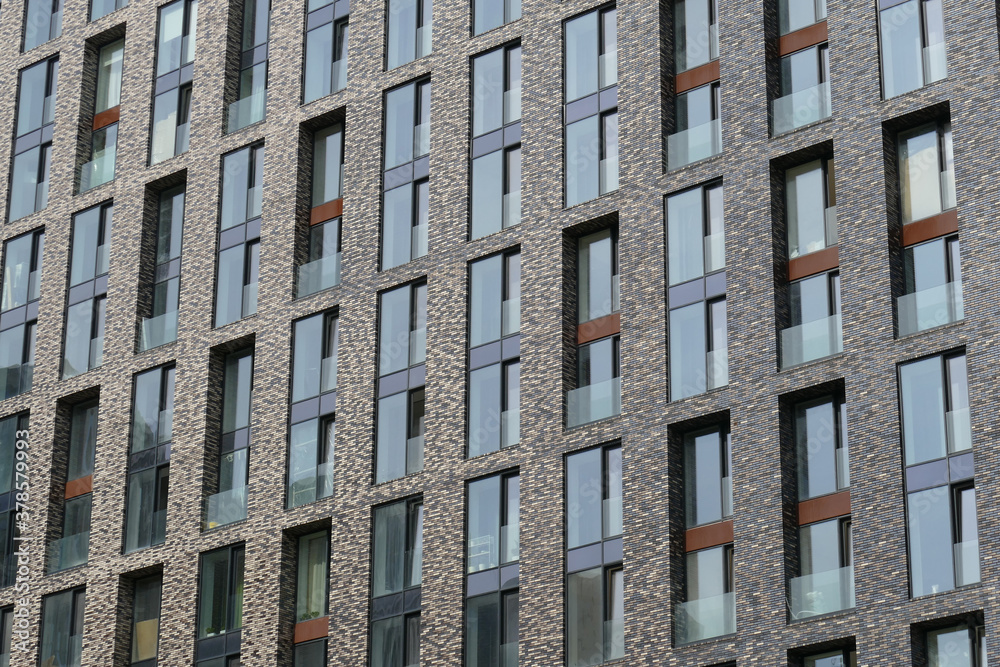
point(647, 427)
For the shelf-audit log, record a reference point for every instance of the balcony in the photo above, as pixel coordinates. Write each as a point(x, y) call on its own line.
point(967, 563)
point(98, 171)
point(319, 275)
point(717, 369)
point(15, 380)
point(697, 143)
point(811, 341)
point(225, 508)
point(247, 111)
point(157, 331)
point(594, 402)
point(929, 308)
point(822, 592)
point(705, 618)
point(69, 551)
point(800, 109)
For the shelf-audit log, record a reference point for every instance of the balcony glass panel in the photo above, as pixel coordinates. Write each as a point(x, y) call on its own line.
point(614, 639)
point(929, 308)
point(801, 108)
point(319, 275)
point(418, 346)
point(717, 369)
point(246, 112)
point(182, 138)
point(16, 379)
point(249, 299)
point(510, 428)
point(96, 351)
point(935, 63)
point(609, 175)
point(338, 77)
point(98, 171)
point(511, 209)
point(594, 402)
point(511, 316)
point(812, 340)
point(822, 592)
point(328, 374)
point(159, 527)
point(510, 543)
point(948, 189)
point(423, 41)
point(415, 454)
point(715, 252)
point(843, 468)
point(226, 507)
point(508, 655)
point(72, 550)
point(607, 69)
point(697, 143)
point(967, 563)
point(612, 517)
point(959, 429)
point(157, 331)
point(705, 618)
point(418, 241)
point(421, 139)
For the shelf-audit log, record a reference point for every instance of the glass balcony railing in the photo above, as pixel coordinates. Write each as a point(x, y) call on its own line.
point(929, 308)
point(614, 639)
point(717, 369)
point(418, 241)
point(705, 618)
point(16, 380)
point(508, 655)
point(249, 299)
point(48, 109)
point(247, 111)
point(609, 175)
point(159, 527)
point(822, 592)
point(319, 275)
point(510, 428)
point(616, 293)
point(511, 209)
point(948, 198)
point(713, 41)
point(255, 201)
point(98, 171)
point(418, 346)
point(510, 316)
point(103, 260)
point(959, 427)
point(594, 402)
point(812, 340)
point(422, 139)
point(69, 551)
point(801, 108)
point(967, 563)
point(338, 76)
point(328, 374)
point(607, 69)
point(226, 507)
point(510, 543)
point(512, 105)
point(423, 41)
point(727, 497)
point(182, 138)
point(415, 454)
point(843, 468)
point(935, 63)
point(312, 484)
point(697, 143)
point(715, 252)
point(96, 351)
point(165, 426)
point(612, 516)
point(34, 286)
point(831, 229)
point(157, 331)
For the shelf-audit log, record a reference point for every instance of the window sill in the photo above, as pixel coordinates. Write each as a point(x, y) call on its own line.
point(812, 362)
point(818, 617)
point(940, 327)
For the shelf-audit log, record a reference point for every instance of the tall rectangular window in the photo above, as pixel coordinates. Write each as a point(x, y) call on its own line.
point(490, 14)
point(83, 348)
point(402, 375)
point(591, 105)
point(405, 203)
point(313, 410)
point(100, 168)
point(926, 171)
point(708, 484)
point(494, 353)
point(220, 607)
point(815, 330)
point(826, 569)
point(321, 269)
point(229, 502)
point(797, 14)
point(491, 625)
point(913, 45)
point(957, 646)
point(698, 128)
point(811, 207)
point(940, 474)
point(409, 31)
point(710, 609)
point(595, 621)
point(146, 620)
point(932, 286)
point(804, 95)
point(6, 634)
point(22, 272)
point(72, 548)
point(62, 628)
point(42, 22)
point(311, 592)
point(175, 45)
point(838, 658)
point(251, 88)
point(36, 106)
point(101, 8)
point(239, 234)
point(496, 140)
point(397, 556)
point(822, 454)
point(696, 33)
point(325, 69)
point(13, 438)
point(160, 327)
point(149, 462)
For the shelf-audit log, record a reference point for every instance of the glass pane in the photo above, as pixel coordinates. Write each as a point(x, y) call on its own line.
point(82, 440)
point(394, 330)
point(387, 643)
point(170, 225)
point(146, 618)
point(486, 301)
point(613, 502)
point(816, 441)
point(584, 618)
point(688, 351)
point(310, 654)
point(32, 98)
point(931, 558)
point(581, 56)
point(901, 49)
point(484, 524)
point(685, 236)
point(62, 628)
point(487, 89)
point(402, 32)
point(235, 180)
point(584, 486)
point(704, 473)
point(950, 647)
point(484, 410)
point(397, 226)
point(76, 358)
point(238, 388)
point(806, 209)
point(482, 631)
point(706, 572)
point(511, 525)
point(583, 151)
point(17, 271)
point(922, 394)
point(488, 15)
point(487, 194)
point(318, 76)
point(312, 576)
point(307, 357)
point(692, 23)
point(168, 55)
point(920, 174)
point(390, 459)
point(327, 164)
point(109, 76)
point(597, 270)
point(819, 547)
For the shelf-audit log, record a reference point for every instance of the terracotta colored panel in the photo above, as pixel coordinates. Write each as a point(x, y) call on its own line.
point(930, 228)
point(698, 76)
point(327, 211)
point(80, 486)
point(312, 629)
point(711, 535)
point(599, 328)
point(106, 118)
point(804, 38)
point(813, 263)
point(824, 507)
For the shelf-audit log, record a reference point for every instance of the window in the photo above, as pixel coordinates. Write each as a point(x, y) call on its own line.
point(805, 89)
point(101, 8)
point(496, 140)
point(220, 607)
point(940, 484)
point(104, 138)
point(405, 204)
point(913, 45)
point(42, 22)
point(927, 171)
point(933, 286)
point(698, 130)
point(149, 463)
point(594, 593)
point(72, 548)
point(708, 485)
point(696, 33)
point(22, 271)
point(312, 576)
point(12, 431)
point(409, 31)
point(239, 235)
point(251, 96)
point(314, 402)
point(88, 282)
point(494, 349)
point(958, 646)
point(493, 528)
point(402, 371)
point(175, 45)
point(62, 628)
point(839, 658)
point(826, 569)
point(229, 502)
point(815, 318)
point(710, 610)
point(796, 14)
point(397, 555)
point(811, 207)
point(7, 630)
point(160, 327)
point(146, 620)
point(326, 49)
point(696, 260)
point(36, 105)
point(591, 111)
point(322, 267)
point(490, 14)
point(822, 453)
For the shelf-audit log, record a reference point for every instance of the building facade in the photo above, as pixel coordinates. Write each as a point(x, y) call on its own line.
point(498, 332)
